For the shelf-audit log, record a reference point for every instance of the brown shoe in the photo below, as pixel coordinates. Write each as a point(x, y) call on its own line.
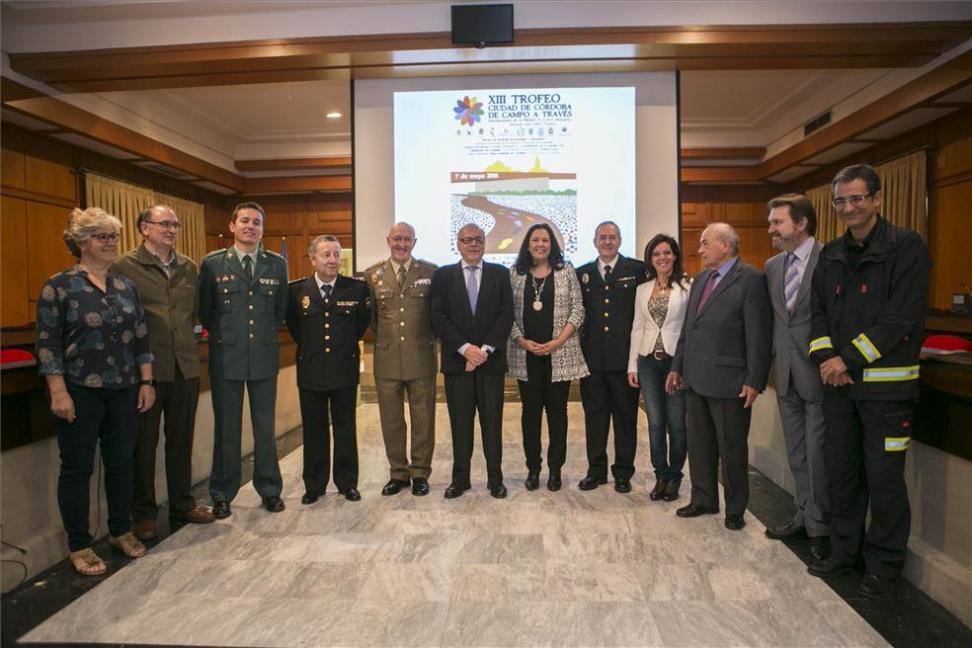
point(198, 515)
point(658, 491)
point(128, 544)
point(144, 529)
point(671, 490)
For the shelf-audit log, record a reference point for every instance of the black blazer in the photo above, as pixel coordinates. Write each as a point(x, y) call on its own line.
point(455, 324)
point(328, 355)
point(728, 344)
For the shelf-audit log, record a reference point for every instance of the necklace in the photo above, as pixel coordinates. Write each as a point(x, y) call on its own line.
point(537, 291)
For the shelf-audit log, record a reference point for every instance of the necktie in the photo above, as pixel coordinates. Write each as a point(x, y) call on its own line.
point(607, 274)
point(707, 290)
point(472, 288)
point(248, 267)
point(401, 277)
point(326, 291)
point(791, 282)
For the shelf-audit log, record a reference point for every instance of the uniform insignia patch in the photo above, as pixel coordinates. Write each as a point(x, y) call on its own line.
point(305, 302)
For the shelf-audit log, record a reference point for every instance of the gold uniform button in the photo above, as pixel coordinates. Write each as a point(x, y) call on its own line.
point(401, 323)
point(327, 326)
point(251, 322)
point(606, 288)
point(606, 313)
point(607, 301)
point(402, 338)
point(251, 293)
point(251, 335)
point(327, 337)
point(327, 314)
point(251, 306)
point(402, 309)
point(607, 328)
point(327, 350)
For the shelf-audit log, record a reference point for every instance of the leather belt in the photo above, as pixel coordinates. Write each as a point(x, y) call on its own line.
point(661, 355)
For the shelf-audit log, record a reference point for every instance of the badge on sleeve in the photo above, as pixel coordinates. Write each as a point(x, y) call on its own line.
point(305, 302)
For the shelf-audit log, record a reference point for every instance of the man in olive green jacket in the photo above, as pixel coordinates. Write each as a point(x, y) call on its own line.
point(166, 283)
point(242, 303)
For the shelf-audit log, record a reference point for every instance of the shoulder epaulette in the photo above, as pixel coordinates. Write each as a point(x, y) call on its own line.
point(295, 281)
point(275, 254)
point(374, 266)
point(216, 252)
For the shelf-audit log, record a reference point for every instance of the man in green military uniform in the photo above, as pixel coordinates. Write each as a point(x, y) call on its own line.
point(242, 303)
point(404, 359)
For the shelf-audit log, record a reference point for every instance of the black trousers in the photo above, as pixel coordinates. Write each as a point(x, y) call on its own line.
point(110, 415)
point(467, 393)
point(320, 412)
point(718, 432)
point(608, 397)
point(864, 447)
point(177, 401)
point(537, 394)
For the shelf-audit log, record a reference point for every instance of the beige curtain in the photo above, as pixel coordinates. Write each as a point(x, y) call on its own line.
point(904, 186)
point(126, 200)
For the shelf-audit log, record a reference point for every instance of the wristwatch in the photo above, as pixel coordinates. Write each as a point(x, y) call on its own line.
point(150, 382)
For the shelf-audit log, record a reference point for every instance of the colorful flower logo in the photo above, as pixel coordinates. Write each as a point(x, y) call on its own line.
point(468, 111)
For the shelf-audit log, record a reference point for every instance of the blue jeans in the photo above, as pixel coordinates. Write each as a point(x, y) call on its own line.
point(666, 418)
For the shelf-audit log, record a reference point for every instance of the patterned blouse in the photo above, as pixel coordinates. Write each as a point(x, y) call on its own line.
point(658, 308)
point(92, 338)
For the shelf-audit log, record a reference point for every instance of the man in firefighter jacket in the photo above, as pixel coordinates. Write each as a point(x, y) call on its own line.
point(869, 296)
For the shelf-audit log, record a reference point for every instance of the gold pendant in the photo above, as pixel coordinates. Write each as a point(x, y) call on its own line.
point(538, 305)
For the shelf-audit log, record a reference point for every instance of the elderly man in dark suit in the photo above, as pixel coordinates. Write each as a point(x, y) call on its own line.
point(327, 314)
point(472, 314)
point(722, 359)
point(799, 391)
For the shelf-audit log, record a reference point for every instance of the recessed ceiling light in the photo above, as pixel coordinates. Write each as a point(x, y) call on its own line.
point(334, 115)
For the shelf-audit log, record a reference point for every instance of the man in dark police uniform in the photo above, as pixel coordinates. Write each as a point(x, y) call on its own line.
point(608, 284)
point(327, 315)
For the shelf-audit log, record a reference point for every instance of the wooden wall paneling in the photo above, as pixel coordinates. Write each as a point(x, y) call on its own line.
point(217, 220)
point(212, 242)
point(12, 161)
point(948, 242)
point(695, 214)
point(748, 214)
point(952, 160)
point(46, 252)
point(690, 250)
point(15, 309)
point(754, 245)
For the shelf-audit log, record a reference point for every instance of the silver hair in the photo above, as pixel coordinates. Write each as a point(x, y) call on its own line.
point(725, 233)
point(83, 224)
point(467, 226)
point(312, 250)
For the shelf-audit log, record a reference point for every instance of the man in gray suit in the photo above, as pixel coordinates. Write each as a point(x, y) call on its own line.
point(722, 359)
point(792, 225)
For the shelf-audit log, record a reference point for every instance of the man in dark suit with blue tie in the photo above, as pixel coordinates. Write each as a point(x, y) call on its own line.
point(722, 359)
point(327, 315)
point(472, 314)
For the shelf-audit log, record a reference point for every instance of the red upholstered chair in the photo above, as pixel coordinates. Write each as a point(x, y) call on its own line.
point(13, 358)
point(935, 343)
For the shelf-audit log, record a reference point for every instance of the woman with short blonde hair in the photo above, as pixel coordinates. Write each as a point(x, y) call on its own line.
point(93, 351)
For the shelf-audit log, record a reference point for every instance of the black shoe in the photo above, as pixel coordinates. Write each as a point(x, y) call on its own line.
point(830, 567)
point(873, 586)
point(309, 498)
point(273, 504)
point(554, 482)
point(498, 491)
point(734, 522)
point(658, 491)
point(351, 494)
point(455, 490)
point(622, 485)
point(694, 510)
point(532, 482)
point(671, 490)
point(394, 486)
point(820, 547)
point(789, 530)
point(420, 486)
point(590, 483)
point(221, 510)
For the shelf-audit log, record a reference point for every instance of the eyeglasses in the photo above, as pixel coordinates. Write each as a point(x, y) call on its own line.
point(104, 238)
point(853, 200)
point(169, 225)
point(401, 239)
point(472, 240)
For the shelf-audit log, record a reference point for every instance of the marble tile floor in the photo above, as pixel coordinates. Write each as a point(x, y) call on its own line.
point(537, 569)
